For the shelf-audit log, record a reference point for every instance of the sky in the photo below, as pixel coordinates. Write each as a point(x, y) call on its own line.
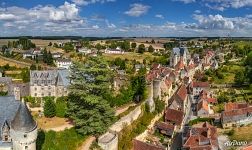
point(126, 18)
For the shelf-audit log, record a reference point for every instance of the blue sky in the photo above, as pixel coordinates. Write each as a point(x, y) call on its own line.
point(126, 17)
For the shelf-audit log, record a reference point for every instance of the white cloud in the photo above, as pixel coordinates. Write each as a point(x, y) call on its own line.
point(197, 11)
point(7, 17)
point(159, 16)
point(87, 2)
point(137, 10)
point(186, 1)
point(95, 27)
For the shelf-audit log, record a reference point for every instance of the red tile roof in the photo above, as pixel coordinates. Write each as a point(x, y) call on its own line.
point(247, 148)
point(236, 112)
point(200, 84)
point(205, 133)
point(212, 100)
point(231, 106)
point(139, 145)
point(175, 116)
point(182, 92)
point(203, 105)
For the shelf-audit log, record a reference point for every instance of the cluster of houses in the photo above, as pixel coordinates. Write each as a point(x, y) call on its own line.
point(175, 86)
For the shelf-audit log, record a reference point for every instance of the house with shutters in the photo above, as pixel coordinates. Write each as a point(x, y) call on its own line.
point(49, 83)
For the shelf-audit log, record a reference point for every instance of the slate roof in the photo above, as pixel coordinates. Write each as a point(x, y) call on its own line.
point(8, 110)
point(50, 77)
point(23, 120)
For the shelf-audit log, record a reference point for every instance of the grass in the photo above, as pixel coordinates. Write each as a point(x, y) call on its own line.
point(131, 56)
point(65, 140)
point(228, 72)
point(46, 123)
point(241, 134)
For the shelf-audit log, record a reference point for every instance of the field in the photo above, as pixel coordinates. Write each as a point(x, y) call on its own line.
point(5, 62)
point(131, 56)
point(240, 134)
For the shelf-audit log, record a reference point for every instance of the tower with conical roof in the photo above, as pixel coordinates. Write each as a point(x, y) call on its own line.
point(23, 130)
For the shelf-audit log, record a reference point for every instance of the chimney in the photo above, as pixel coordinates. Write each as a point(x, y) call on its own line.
point(17, 93)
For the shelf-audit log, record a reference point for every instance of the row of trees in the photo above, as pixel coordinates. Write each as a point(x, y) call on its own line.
point(47, 57)
point(24, 42)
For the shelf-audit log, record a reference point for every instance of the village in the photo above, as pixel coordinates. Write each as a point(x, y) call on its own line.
point(166, 93)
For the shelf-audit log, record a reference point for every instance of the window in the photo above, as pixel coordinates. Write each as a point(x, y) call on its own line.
point(35, 89)
point(26, 147)
point(35, 94)
point(25, 136)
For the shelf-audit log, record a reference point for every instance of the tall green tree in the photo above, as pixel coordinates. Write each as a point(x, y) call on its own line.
point(49, 107)
point(90, 81)
point(151, 49)
point(141, 48)
point(133, 45)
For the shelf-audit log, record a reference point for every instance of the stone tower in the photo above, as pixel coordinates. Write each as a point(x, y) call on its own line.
point(157, 88)
point(23, 130)
point(150, 100)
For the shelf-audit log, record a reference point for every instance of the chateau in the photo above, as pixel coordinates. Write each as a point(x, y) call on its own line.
point(18, 130)
point(49, 83)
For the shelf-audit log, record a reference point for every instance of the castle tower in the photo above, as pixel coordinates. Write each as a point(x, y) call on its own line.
point(23, 130)
point(150, 100)
point(157, 88)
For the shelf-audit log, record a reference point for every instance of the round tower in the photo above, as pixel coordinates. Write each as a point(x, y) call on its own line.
point(157, 88)
point(23, 130)
point(150, 100)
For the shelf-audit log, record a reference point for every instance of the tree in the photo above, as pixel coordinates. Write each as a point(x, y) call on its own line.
point(50, 44)
point(25, 74)
point(49, 107)
point(87, 106)
point(151, 49)
point(239, 78)
point(138, 84)
point(33, 67)
point(153, 41)
point(133, 45)
point(68, 47)
point(141, 48)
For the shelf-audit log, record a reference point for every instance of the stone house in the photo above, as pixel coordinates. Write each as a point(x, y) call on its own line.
point(236, 114)
point(49, 83)
point(18, 130)
point(202, 136)
point(197, 87)
point(179, 100)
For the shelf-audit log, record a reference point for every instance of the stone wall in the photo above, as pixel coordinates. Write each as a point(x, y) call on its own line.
point(109, 140)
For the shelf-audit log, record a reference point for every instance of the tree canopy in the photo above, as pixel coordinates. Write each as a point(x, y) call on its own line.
point(90, 81)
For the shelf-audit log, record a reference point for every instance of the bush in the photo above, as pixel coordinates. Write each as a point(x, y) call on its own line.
point(49, 107)
point(198, 120)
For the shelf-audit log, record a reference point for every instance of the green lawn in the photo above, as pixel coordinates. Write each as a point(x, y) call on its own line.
point(65, 140)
